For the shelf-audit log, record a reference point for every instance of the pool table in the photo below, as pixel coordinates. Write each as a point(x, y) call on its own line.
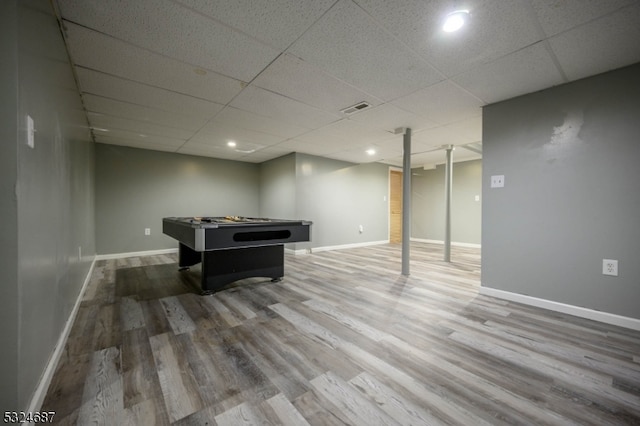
point(231, 248)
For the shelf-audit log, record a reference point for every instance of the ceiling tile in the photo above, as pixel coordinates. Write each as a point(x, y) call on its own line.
point(105, 85)
point(265, 154)
point(495, 28)
point(248, 120)
point(99, 104)
point(347, 130)
point(309, 147)
point(275, 22)
point(140, 127)
point(561, 15)
point(518, 73)
point(131, 139)
point(349, 45)
point(442, 103)
point(220, 134)
point(450, 134)
point(389, 117)
point(469, 129)
point(619, 48)
point(269, 104)
point(178, 32)
point(274, 75)
point(133, 63)
point(294, 78)
point(193, 148)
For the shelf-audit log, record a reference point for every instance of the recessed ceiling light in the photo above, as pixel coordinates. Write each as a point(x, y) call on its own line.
point(371, 151)
point(455, 20)
point(231, 144)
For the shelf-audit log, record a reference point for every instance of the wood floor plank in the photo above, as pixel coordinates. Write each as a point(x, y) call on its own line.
point(107, 328)
point(177, 383)
point(391, 402)
point(287, 413)
point(66, 389)
point(353, 405)
point(178, 318)
point(344, 338)
point(140, 381)
point(243, 414)
point(131, 314)
point(102, 400)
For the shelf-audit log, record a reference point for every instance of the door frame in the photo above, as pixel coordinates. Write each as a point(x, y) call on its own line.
point(394, 169)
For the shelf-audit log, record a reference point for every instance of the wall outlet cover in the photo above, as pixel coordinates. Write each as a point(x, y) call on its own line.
point(610, 267)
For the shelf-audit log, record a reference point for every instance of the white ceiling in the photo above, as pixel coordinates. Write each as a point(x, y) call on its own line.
point(187, 76)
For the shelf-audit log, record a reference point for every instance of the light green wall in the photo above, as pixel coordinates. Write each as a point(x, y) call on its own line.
point(339, 197)
point(336, 196)
point(136, 188)
point(278, 188)
point(428, 202)
point(570, 156)
point(47, 196)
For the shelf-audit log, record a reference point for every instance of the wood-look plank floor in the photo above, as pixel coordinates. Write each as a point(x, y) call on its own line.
point(343, 339)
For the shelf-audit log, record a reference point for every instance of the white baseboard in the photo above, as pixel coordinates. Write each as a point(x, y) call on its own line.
point(423, 240)
point(135, 254)
point(287, 250)
point(43, 386)
point(344, 246)
point(605, 317)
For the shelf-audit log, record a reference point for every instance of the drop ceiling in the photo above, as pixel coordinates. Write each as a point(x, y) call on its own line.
point(187, 76)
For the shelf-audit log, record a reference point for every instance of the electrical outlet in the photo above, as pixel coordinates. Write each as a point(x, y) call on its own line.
point(497, 181)
point(147, 231)
point(610, 267)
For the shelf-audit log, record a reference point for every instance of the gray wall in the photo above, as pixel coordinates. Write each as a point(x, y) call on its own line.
point(9, 206)
point(428, 202)
point(136, 188)
point(47, 196)
point(571, 160)
point(278, 188)
point(339, 197)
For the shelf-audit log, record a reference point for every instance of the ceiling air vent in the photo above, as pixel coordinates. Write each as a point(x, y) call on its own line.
point(355, 108)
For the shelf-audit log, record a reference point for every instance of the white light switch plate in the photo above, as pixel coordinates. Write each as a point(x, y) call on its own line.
point(30, 132)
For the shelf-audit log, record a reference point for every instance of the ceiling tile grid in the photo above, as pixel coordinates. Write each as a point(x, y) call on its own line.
point(116, 108)
point(620, 46)
point(279, 107)
point(348, 44)
point(299, 80)
point(558, 16)
point(189, 75)
point(248, 120)
point(127, 61)
point(443, 103)
point(167, 28)
point(275, 22)
point(96, 83)
point(503, 78)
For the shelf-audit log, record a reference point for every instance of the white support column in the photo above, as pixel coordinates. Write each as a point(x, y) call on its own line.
point(448, 180)
point(406, 202)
